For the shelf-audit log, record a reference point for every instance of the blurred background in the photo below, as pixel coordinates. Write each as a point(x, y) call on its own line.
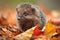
point(50, 4)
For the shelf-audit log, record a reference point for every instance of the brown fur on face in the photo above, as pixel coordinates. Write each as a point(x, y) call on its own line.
point(29, 15)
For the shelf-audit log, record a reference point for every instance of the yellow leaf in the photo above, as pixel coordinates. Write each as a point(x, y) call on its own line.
point(50, 29)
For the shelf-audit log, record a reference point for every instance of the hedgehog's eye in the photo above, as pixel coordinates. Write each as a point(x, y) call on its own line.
point(25, 14)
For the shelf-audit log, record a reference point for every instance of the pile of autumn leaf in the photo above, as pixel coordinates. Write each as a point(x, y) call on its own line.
point(48, 31)
point(9, 33)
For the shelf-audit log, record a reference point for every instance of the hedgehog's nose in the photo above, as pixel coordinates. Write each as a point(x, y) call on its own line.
point(18, 18)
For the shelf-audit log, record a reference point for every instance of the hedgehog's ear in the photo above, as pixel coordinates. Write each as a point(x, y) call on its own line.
point(17, 10)
point(33, 10)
